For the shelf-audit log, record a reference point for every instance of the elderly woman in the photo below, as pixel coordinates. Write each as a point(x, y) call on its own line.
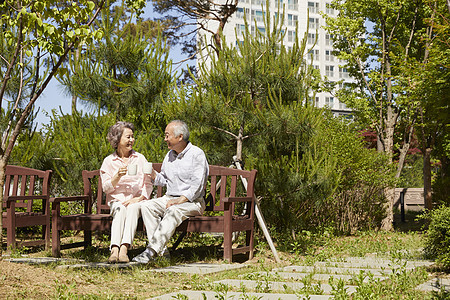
point(125, 186)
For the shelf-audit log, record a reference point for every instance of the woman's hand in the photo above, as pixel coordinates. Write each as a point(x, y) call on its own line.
point(115, 179)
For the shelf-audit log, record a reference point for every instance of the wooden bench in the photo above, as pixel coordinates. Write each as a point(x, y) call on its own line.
point(222, 213)
point(26, 201)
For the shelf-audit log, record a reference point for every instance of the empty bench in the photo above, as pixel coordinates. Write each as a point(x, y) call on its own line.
point(26, 203)
point(229, 208)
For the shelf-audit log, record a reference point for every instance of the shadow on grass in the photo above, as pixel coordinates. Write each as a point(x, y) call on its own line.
point(410, 223)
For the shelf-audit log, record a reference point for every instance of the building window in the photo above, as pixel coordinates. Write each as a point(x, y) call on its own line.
point(313, 7)
point(314, 54)
point(329, 101)
point(311, 38)
point(259, 2)
point(328, 55)
point(343, 73)
point(329, 71)
point(313, 23)
point(329, 39)
point(241, 12)
point(291, 35)
point(240, 29)
point(329, 10)
point(262, 30)
point(292, 20)
point(293, 4)
point(258, 15)
point(316, 67)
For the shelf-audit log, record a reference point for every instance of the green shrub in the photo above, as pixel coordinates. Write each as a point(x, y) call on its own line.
point(437, 243)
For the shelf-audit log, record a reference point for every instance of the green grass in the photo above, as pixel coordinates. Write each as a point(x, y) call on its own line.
point(141, 282)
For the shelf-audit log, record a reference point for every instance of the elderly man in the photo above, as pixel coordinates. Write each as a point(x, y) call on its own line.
point(184, 172)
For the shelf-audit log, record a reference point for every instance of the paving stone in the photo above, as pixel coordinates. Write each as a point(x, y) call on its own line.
point(317, 277)
point(278, 286)
point(370, 264)
point(334, 270)
point(370, 261)
point(40, 260)
point(200, 295)
point(200, 268)
point(435, 285)
point(98, 265)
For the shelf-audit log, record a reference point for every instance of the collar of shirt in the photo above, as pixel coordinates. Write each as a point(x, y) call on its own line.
point(117, 157)
point(182, 153)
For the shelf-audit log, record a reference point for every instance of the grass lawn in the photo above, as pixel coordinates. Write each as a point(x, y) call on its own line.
point(22, 281)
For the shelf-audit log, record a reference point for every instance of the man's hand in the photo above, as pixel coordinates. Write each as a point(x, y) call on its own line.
point(133, 200)
point(176, 201)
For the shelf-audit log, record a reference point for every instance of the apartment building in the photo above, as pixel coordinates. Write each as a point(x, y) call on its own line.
point(319, 42)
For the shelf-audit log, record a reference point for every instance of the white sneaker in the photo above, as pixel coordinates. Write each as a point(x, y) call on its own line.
point(145, 257)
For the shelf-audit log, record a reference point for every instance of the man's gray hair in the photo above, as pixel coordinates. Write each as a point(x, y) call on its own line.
point(180, 127)
point(115, 132)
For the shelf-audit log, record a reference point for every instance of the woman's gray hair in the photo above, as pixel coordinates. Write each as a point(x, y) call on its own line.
point(180, 128)
point(115, 132)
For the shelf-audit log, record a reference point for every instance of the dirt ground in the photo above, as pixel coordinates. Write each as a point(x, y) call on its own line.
point(16, 279)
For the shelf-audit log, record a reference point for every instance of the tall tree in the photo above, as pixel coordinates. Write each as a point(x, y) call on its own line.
point(126, 72)
point(432, 79)
point(234, 86)
point(36, 37)
point(377, 39)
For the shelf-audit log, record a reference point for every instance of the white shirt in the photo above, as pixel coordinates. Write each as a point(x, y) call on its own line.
point(184, 174)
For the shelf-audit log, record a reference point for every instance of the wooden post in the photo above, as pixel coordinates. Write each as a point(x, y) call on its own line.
point(259, 216)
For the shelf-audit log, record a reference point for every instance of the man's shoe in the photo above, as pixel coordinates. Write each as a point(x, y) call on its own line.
point(166, 253)
point(145, 257)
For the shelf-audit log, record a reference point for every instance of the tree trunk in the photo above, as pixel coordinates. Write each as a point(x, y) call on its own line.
point(239, 142)
point(404, 151)
point(427, 178)
point(387, 222)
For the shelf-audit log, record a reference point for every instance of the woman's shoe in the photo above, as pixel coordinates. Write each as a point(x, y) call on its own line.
point(114, 258)
point(123, 257)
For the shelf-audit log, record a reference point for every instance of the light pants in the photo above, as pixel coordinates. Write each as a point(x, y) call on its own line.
point(124, 222)
point(161, 222)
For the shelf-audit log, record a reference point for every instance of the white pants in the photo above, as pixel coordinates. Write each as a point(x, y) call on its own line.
point(161, 222)
point(124, 223)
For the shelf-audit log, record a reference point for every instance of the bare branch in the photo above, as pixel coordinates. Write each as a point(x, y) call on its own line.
point(225, 131)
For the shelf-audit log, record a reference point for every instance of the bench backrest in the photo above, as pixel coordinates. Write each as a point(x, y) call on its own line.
point(22, 181)
point(222, 182)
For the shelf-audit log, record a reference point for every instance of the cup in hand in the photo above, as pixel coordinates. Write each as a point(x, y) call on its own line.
point(148, 167)
point(132, 169)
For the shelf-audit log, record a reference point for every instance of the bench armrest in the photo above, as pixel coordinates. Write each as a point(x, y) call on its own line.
point(25, 197)
point(237, 199)
point(69, 198)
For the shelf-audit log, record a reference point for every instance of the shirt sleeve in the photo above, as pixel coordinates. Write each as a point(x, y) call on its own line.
point(106, 175)
point(199, 175)
point(160, 179)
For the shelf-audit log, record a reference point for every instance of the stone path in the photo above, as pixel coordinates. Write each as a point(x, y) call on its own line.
point(302, 281)
point(290, 282)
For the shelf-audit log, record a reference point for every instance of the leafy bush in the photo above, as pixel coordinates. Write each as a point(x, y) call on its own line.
point(437, 242)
